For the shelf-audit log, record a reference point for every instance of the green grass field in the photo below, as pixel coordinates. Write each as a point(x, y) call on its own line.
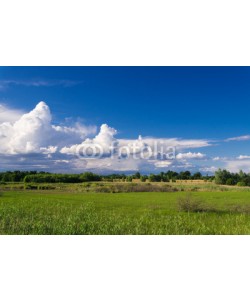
point(71, 213)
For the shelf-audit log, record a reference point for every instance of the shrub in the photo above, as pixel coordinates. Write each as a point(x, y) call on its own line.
point(46, 187)
point(144, 178)
point(188, 204)
point(243, 209)
point(129, 178)
point(31, 187)
point(241, 183)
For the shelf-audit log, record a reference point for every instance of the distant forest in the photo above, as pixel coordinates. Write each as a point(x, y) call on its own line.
point(223, 177)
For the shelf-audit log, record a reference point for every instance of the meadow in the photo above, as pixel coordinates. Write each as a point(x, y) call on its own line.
point(183, 208)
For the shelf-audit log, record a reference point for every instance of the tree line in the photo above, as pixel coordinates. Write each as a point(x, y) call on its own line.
point(223, 177)
point(46, 177)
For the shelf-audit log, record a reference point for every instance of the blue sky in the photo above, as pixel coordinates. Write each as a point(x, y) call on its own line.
point(186, 103)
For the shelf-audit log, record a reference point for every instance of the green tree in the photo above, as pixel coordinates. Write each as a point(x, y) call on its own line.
point(137, 175)
point(144, 178)
point(221, 176)
point(197, 176)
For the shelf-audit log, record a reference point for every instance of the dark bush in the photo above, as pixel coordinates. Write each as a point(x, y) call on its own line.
point(31, 187)
point(46, 187)
point(189, 204)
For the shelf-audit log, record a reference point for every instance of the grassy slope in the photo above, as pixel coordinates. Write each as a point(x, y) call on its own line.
point(44, 212)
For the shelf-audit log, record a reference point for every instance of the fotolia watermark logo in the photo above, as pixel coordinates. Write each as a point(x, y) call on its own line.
point(158, 151)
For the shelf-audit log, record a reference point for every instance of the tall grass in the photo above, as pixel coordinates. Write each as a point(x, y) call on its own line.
point(47, 217)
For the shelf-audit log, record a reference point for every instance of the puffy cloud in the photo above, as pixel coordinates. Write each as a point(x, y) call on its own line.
point(27, 134)
point(78, 130)
point(190, 155)
point(109, 144)
point(105, 138)
point(145, 154)
point(48, 150)
point(163, 164)
point(103, 143)
point(33, 133)
point(31, 141)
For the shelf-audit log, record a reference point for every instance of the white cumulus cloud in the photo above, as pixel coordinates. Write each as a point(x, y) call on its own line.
point(102, 142)
point(31, 141)
point(33, 132)
point(190, 155)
